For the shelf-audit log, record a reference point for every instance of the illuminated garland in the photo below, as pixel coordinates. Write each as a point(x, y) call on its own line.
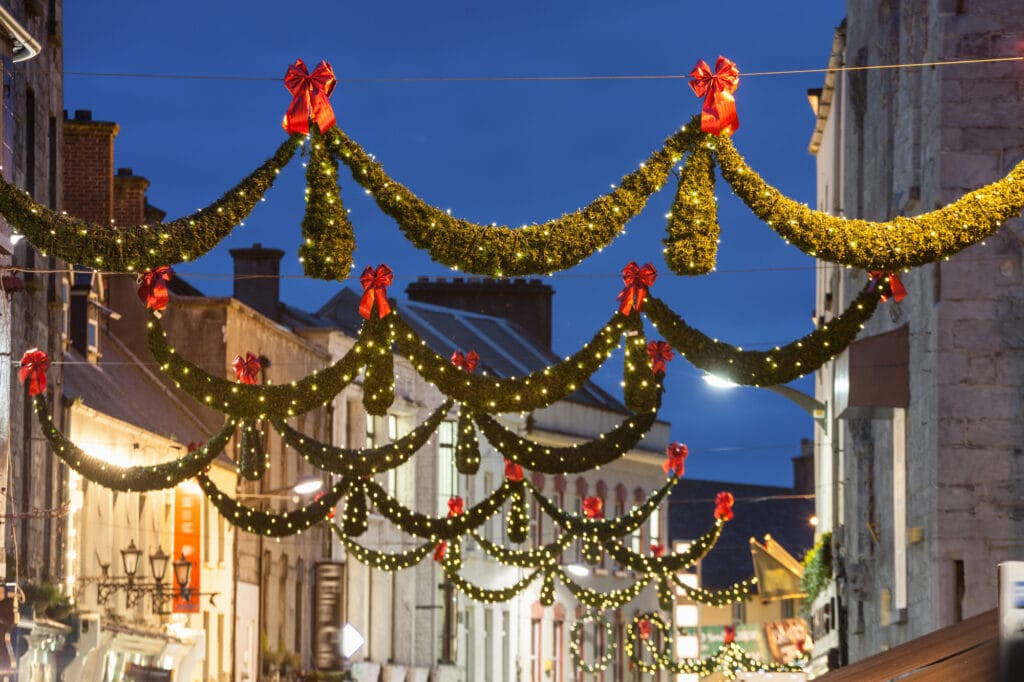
point(727, 595)
point(137, 248)
point(641, 390)
point(576, 636)
point(534, 391)
point(467, 448)
point(131, 478)
point(253, 458)
point(524, 558)
point(254, 401)
point(578, 457)
point(481, 594)
point(506, 252)
point(268, 523)
point(384, 561)
point(692, 243)
point(891, 245)
point(670, 563)
point(357, 517)
point(379, 375)
point(765, 368)
point(517, 520)
point(437, 528)
point(660, 658)
point(603, 600)
point(360, 462)
point(327, 235)
point(602, 529)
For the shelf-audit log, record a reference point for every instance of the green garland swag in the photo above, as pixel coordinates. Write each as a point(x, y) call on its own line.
point(433, 527)
point(692, 243)
point(661, 658)
point(253, 458)
point(138, 248)
point(384, 561)
point(606, 448)
point(641, 387)
point(506, 252)
point(891, 245)
point(483, 594)
point(258, 401)
point(603, 600)
point(467, 447)
point(327, 235)
point(517, 520)
point(727, 595)
point(765, 368)
point(379, 376)
point(667, 564)
point(576, 636)
point(534, 391)
point(524, 558)
point(132, 478)
point(361, 461)
point(268, 523)
point(357, 516)
point(547, 589)
point(602, 529)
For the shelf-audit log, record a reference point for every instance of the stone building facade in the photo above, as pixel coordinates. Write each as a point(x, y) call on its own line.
point(920, 464)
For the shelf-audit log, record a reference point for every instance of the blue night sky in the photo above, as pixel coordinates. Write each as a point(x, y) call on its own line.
point(505, 152)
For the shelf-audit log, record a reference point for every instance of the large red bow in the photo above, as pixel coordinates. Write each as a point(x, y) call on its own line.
point(660, 353)
point(730, 634)
point(153, 287)
point(467, 361)
point(513, 471)
point(375, 288)
point(440, 550)
point(592, 507)
point(637, 280)
point(657, 549)
point(723, 506)
point(899, 292)
point(247, 369)
point(34, 364)
point(718, 115)
point(644, 627)
point(456, 505)
point(309, 97)
point(675, 456)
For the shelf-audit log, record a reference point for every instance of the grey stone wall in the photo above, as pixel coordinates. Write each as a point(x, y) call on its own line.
point(917, 139)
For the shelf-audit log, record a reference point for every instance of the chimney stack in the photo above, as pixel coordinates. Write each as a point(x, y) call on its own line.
point(257, 279)
point(803, 468)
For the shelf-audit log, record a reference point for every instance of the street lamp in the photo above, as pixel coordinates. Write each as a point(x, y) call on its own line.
point(183, 576)
point(130, 556)
point(305, 486)
point(809, 404)
point(136, 588)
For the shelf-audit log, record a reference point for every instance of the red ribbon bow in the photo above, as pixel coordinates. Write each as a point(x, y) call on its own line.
point(513, 471)
point(440, 550)
point(330, 512)
point(34, 364)
point(718, 115)
point(644, 626)
point(309, 97)
point(192, 447)
point(247, 369)
point(637, 280)
point(467, 361)
point(657, 549)
point(899, 292)
point(723, 506)
point(375, 288)
point(730, 634)
point(153, 287)
point(675, 456)
point(456, 505)
point(661, 353)
point(592, 507)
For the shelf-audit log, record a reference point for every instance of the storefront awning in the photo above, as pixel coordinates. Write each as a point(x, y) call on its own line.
point(879, 374)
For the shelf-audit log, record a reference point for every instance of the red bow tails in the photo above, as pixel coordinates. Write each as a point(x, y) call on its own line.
point(375, 288)
point(675, 456)
point(456, 505)
point(718, 114)
point(467, 361)
point(513, 471)
point(34, 364)
point(899, 292)
point(247, 369)
point(661, 354)
point(153, 287)
point(723, 506)
point(309, 97)
point(592, 507)
point(638, 282)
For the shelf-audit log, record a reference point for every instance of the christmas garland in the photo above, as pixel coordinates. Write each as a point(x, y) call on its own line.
point(253, 458)
point(432, 527)
point(134, 249)
point(692, 243)
point(327, 236)
point(131, 478)
point(376, 335)
point(451, 564)
point(524, 558)
point(507, 252)
point(890, 245)
point(576, 636)
point(268, 523)
point(602, 529)
point(361, 461)
point(467, 447)
point(640, 629)
point(727, 595)
point(766, 368)
point(254, 401)
point(603, 600)
point(664, 565)
point(534, 391)
point(384, 561)
point(575, 458)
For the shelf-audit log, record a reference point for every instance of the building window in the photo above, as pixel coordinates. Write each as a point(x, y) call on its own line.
point(535, 651)
point(739, 612)
point(470, 652)
point(488, 642)
point(556, 650)
point(445, 465)
point(506, 645)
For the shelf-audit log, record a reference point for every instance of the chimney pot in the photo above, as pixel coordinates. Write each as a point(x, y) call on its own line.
point(124, 171)
point(83, 114)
